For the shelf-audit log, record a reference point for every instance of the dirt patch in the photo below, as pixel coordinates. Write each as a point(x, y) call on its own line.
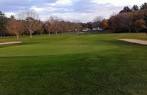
point(11, 43)
point(136, 41)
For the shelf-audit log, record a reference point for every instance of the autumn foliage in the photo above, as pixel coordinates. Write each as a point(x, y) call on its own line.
point(15, 27)
point(28, 23)
point(130, 20)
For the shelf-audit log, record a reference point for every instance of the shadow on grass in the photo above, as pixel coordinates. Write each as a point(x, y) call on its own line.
point(73, 74)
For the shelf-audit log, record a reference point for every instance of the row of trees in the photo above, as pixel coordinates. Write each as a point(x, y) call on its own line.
point(128, 20)
point(28, 23)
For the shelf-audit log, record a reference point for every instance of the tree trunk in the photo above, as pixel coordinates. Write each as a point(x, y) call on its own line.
point(49, 33)
point(31, 33)
point(129, 30)
point(136, 30)
point(17, 36)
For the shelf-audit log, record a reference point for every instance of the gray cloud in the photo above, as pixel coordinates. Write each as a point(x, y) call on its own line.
point(83, 10)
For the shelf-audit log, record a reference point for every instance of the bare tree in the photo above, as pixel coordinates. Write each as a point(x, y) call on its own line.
point(140, 24)
point(31, 21)
point(121, 22)
point(55, 25)
point(15, 27)
point(47, 27)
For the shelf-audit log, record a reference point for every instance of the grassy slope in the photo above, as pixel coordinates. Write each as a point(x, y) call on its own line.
point(74, 65)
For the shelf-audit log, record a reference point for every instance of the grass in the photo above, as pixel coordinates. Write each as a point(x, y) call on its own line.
point(92, 64)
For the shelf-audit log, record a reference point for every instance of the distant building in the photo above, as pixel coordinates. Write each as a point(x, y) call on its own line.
point(86, 30)
point(93, 30)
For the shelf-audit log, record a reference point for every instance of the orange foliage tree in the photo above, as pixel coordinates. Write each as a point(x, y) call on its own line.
point(15, 27)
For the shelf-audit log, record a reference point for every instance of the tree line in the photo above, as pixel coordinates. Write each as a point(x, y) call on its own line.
point(127, 20)
point(28, 23)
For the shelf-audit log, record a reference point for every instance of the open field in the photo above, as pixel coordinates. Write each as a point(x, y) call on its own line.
point(90, 64)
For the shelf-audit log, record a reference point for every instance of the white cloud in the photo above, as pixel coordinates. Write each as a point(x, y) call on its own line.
point(8, 14)
point(62, 3)
point(43, 9)
point(37, 9)
point(120, 2)
point(81, 10)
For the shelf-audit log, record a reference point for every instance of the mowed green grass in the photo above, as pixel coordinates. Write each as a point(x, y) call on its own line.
point(90, 64)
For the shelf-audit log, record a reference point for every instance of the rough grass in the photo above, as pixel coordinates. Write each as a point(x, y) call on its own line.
point(74, 65)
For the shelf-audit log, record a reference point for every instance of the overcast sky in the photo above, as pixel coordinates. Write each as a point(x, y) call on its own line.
point(80, 10)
